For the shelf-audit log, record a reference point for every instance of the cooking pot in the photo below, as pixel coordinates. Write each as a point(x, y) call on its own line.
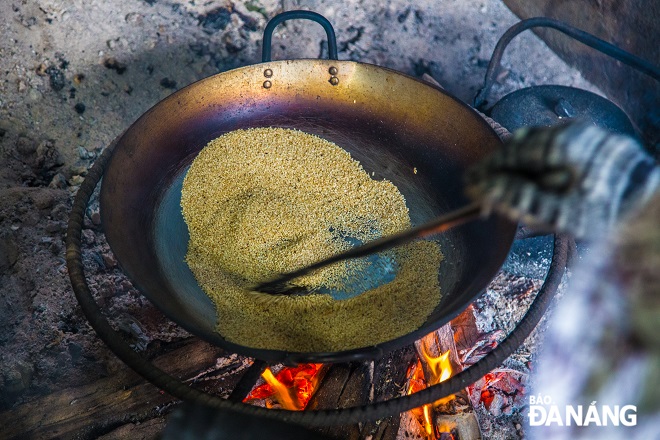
point(412, 133)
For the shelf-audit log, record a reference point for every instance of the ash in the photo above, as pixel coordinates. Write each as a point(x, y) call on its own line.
point(76, 74)
point(500, 398)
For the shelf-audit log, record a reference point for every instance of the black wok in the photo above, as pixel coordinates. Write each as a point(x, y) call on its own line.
point(391, 123)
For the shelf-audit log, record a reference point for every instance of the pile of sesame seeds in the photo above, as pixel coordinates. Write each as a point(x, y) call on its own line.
point(264, 201)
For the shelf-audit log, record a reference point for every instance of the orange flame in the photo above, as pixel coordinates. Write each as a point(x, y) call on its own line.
point(428, 420)
point(285, 396)
point(440, 370)
point(446, 428)
point(292, 387)
point(439, 366)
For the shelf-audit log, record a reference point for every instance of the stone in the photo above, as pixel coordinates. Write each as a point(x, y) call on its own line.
point(26, 146)
point(31, 218)
point(60, 212)
point(18, 378)
point(41, 69)
point(57, 182)
point(79, 170)
point(75, 350)
point(109, 260)
point(42, 199)
point(76, 180)
point(56, 78)
point(88, 236)
point(48, 157)
point(8, 254)
point(83, 153)
point(134, 18)
point(56, 247)
point(168, 83)
point(126, 286)
point(54, 227)
point(112, 64)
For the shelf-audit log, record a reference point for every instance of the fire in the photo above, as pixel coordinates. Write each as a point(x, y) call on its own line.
point(291, 387)
point(440, 366)
point(417, 383)
point(284, 395)
point(440, 370)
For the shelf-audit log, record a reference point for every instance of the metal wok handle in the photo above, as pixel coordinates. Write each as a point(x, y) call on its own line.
point(575, 33)
point(290, 15)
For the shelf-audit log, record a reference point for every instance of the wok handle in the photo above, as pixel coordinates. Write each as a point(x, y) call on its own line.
point(575, 33)
point(307, 15)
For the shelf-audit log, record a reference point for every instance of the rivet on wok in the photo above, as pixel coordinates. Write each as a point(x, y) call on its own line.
point(334, 80)
point(268, 73)
point(333, 70)
point(267, 84)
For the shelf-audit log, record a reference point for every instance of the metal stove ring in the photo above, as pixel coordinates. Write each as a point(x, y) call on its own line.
point(373, 411)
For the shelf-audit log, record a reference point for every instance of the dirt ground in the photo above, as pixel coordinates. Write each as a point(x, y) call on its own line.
point(76, 73)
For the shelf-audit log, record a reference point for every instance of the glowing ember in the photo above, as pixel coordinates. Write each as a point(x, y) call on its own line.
point(292, 387)
point(440, 369)
point(500, 391)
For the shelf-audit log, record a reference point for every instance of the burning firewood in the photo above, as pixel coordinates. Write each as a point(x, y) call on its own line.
point(291, 388)
point(451, 417)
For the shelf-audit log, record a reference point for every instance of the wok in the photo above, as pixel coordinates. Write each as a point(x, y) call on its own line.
point(412, 133)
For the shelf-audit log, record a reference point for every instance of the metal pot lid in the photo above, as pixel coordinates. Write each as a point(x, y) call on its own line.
point(548, 105)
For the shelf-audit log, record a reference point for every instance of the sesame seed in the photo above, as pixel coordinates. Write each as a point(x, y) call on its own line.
point(265, 201)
